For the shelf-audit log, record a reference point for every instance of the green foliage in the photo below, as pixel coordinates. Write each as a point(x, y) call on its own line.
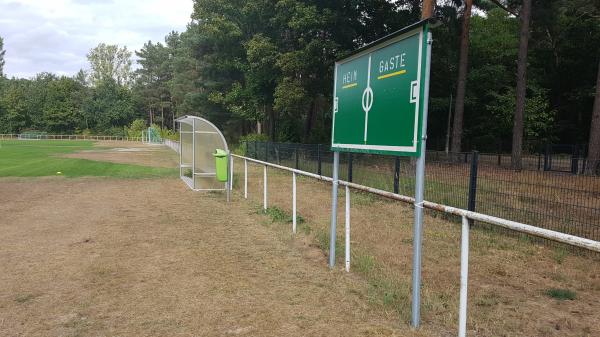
point(110, 62)
point(135, 129)
point(2, 52)
point(561, 294)
point(43, 158)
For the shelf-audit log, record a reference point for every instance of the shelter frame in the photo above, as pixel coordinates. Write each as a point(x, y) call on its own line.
point(199, 138)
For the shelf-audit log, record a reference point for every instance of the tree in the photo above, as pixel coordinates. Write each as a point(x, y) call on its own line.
point(463, 63)
point(110, 62)
point(517, 139)
point(61, 109)
point(110, 106)
point(594, 143)
point(2, 52)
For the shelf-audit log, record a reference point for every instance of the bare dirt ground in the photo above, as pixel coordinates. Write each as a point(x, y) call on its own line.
point(106, 257)
point(509, 277)
point(129, 153)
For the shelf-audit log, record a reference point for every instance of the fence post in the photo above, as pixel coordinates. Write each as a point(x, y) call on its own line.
point(547, 158)
point(350, 166)
point(464, 278)
point(245, 179)
point(397, 175)
point(319, 158)
point(473, 182)
point(347, 229)
point(267, 152)
point(296, 157)
point(574, 160)
point(294, 202)
point(265, 187)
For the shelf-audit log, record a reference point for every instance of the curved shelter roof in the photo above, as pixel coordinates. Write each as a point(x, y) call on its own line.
point(199, 138)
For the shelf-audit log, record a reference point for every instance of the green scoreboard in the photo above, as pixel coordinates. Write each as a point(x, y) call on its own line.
point(378, 95)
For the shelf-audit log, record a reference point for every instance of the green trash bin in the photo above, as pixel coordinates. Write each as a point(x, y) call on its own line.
point(221, 164)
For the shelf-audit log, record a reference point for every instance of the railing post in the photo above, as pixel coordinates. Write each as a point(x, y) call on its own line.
point(397, 175)
point(473, 181)
point(350, 166)
point(265, 187)
point(547, 158)
point(294, 202)
point(347, 229)
point(319, 159)
point(245, 179)
point(464, 278)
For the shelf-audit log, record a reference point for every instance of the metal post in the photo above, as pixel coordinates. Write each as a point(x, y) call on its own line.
point(230, 171)
point(245, 179)
point(319, 159)
point(265, 187)
point(297, 155)
point(574, 159)
point(547, 158)
point(464, 278)
point(350, 156)
point(334, 201)
point(347, 229)
point(230, 178)
point(397, 175)
point(419, 192)
point(473, 182)
point(193, 154)
point(294, 202)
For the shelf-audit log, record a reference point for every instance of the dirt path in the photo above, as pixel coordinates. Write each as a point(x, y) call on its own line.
point(101, 257)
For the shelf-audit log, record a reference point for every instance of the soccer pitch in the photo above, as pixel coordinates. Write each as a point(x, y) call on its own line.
point(36, 158)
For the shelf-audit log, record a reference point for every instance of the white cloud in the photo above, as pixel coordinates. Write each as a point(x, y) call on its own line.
point(55, 36)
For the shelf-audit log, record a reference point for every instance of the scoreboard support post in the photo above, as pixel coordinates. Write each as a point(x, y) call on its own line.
point(419, 197)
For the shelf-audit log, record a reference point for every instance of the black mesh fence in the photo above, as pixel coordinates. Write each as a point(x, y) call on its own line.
point(557, 192)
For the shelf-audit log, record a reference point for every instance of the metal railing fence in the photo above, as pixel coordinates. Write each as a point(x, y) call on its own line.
point(564, 202)
point(466, 216)
point(70, 137)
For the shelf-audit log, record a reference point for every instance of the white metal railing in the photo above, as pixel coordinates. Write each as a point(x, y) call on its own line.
point(464, 214)
point(71, 137)
point(174, 145)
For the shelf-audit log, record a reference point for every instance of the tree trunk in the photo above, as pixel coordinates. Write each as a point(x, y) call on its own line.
point(259, 127)
point(463, 62)
point(162, 115)
point(517, 139)
point(593, 157)
point(427, 11)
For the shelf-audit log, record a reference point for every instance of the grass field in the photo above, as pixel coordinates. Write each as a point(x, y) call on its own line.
point(46, 158)
point(105, 259)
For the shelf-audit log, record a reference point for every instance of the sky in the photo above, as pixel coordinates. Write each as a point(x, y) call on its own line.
point(55, 35)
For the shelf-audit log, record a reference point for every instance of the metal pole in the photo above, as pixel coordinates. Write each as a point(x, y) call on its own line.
point(294, 202)
point(265, 187)
point(347, 228)
point(231, 172)
point(419, 195)
point(245, 179)
point(334, 201)
point(464, 278)
point(193, 154)
point(230, 178)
